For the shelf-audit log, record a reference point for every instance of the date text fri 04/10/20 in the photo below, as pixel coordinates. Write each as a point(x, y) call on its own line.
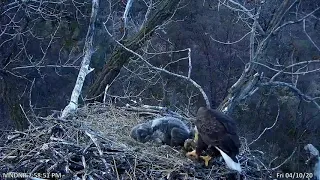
point(294, 175)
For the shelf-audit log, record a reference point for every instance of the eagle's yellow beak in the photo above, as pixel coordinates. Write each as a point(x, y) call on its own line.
point(196, 134)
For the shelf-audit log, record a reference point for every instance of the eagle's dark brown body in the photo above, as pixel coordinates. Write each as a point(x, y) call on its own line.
point(216, 129)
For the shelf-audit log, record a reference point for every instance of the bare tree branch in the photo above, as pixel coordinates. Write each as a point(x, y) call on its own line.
point(267, 128)
point(188, 78)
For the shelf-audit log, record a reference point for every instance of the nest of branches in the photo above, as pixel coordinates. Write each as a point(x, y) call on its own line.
point(95, 144)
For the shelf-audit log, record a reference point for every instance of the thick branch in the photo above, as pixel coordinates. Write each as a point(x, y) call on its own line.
point(121, 56)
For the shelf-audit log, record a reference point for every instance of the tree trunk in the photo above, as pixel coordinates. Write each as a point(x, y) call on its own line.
point(10, 94)
point(121, 57)
point(9, 89)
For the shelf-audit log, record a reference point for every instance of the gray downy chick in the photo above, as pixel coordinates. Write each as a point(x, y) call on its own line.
point(168, 130)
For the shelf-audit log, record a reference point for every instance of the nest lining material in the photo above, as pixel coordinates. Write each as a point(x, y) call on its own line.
point(96, 144)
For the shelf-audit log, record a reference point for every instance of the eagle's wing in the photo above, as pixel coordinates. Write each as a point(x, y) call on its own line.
point(225, 120)
point(210, 129)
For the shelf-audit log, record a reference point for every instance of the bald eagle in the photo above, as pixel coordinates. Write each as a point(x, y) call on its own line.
point(217, 135)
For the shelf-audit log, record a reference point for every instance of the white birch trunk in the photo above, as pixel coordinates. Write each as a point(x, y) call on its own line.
point(126, 12)
point(85, 68)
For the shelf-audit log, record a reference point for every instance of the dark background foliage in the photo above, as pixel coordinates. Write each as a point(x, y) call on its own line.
point(58, 40)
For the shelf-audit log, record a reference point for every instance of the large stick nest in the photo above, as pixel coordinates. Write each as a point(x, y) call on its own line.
point(95, 144)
